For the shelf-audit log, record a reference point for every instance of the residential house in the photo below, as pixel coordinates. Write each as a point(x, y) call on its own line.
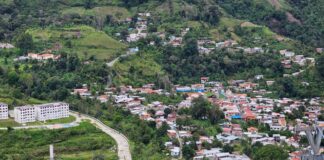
point(44, 56)
point(6, 46)
point(319, 50)
point(103, 98)
point(175, 151)
point(253, 50)
point(287, 54)
point(83, 92)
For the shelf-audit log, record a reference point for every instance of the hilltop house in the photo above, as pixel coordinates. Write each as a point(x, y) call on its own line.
point(44, 56)
point(6, 46)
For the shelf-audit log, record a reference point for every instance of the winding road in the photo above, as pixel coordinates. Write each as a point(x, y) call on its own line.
point(111, 63)
point(122, 142)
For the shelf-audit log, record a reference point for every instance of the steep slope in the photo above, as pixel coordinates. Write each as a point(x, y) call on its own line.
point(301, 20)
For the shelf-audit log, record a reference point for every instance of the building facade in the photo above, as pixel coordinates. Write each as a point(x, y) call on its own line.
point(43, 112)
point(3, 111)
point(52, 111)
point(25, 114)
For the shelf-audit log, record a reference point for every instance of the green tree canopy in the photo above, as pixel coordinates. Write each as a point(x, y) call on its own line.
point(25, 42)
point(270, 152)
point(200, 108)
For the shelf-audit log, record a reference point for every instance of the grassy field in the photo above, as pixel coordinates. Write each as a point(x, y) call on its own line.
point(85, 41)
point(62, 120)
point(78, 143)
point(137, 70)
point(100, 12)
point(11, 122)
point(89, 155)
point(8, 123)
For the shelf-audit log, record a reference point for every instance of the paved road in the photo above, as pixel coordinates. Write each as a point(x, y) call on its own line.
point(180, 142)
point(111, 63)
point(122, 142)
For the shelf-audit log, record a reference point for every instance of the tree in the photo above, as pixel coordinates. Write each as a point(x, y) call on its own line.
point(228, 148)
point(9, 129)
point(190, 48)
point(212, 15)
point(167, 111)
point(25, 42)
point(188, 152)
point(217, 144)
point(162, 131)
point(99, 157)
point(270, 152)
point(200, 108)
point(88, 4)
point(215, 115)
point(320, 66)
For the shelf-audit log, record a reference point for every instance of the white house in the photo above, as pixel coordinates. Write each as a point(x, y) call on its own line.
point(6, 46)
point(52, 111)
point(209, 154)
point(25, 114)
point(3, 111)
point(175, 151)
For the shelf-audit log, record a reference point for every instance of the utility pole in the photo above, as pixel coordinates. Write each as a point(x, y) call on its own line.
point(51, 150)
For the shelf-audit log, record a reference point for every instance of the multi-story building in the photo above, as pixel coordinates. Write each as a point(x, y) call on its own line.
point(52, 111)
point(43, 112)
point(25, 114)
point(3, 111)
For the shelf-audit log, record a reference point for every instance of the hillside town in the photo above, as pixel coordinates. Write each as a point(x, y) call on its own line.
point(258, 119)
point(162, 80)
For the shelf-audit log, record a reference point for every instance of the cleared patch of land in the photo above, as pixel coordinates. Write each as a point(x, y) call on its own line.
point(8, 123)
point(275, 3)
point(89, 155)
point(117, 12)
point(11, 122)
point(82, 40)
point(82, 142)
point(140, 69)
point(248, 24)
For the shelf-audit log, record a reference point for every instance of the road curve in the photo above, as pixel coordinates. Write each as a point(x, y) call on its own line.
point(122, 142)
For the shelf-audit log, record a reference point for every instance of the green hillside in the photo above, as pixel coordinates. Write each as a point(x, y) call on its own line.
point(177, 43)
point(82, 142)
point(84, 40)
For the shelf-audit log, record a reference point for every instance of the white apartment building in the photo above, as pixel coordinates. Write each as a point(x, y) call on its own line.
point(25, 114)
point(3, 111)
point(52, 111)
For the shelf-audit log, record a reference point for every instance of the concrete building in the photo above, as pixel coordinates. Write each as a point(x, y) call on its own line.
point(52, 111)
point(25, 114)
point(43, 112)
point(3, 111)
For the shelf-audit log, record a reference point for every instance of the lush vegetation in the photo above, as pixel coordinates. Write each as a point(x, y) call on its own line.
point(93, 32)
point(307, 24)
point(82, 142)
point(147, 142)
point(11, 122)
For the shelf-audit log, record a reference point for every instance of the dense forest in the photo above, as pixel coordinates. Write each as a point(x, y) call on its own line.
point(306, 24)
